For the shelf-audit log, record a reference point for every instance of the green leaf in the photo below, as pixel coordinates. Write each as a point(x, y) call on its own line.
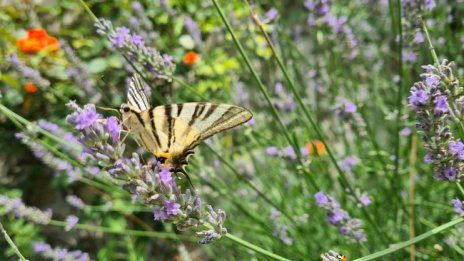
point(97, 65)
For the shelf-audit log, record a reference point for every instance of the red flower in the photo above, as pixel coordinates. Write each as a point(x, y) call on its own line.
point(30, 88)
point(37, 39)
point(190, 58)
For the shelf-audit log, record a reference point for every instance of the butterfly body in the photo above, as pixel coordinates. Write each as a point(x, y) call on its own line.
point(171, 132)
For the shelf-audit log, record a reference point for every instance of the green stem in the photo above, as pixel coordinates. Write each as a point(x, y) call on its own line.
point(429, 43)
point(254, 247)
point(251, 185)
point(263, 90)
point(399, 99)
point(118, 231)
point(86, 7)
point(343, 179)
point(460, 188)
point(188, 87)
point(11, 243)
point(405, 244)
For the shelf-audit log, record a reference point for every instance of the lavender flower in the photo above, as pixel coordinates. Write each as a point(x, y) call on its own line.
point(348, 163)
point(138, 53)
point(193, 29)
point(28, 72)
point(59, 254)
point(347, 226)
point(271, 14)
point(405, 132)
point(280, 229)
point(336, 23)
point(149, 183)
point(458, 206)
point(61, 167)
point(436, 100)
point(347, 111)
point(71, 221)
point(80, 73)
point(19, 210)
point(272, 151)
point(75, 202)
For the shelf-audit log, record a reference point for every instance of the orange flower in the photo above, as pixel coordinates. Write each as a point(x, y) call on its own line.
point(190, 58)
point(30, 88)
point(315, 148)
point(37, 39)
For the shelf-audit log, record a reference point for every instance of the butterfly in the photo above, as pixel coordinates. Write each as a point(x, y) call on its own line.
point(333, 256)
point(171, 132)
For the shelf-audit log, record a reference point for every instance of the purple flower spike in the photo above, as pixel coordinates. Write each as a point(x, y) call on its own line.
point(165, 176)
point(458, 206)
point(321, 199)
point(418, 97)
point(114, 128)
point(172, 208)
point(441, 105)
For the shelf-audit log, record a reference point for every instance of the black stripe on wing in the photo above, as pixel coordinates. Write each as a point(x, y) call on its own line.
point(136, 93)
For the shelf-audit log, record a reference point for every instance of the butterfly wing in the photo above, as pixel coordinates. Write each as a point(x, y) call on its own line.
point(136, 95)
point(179, 128)
point(204, 118)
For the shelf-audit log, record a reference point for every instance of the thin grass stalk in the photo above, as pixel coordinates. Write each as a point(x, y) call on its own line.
point(253, 187)
point(399, 99)
point(415, 240)
point(412, 183)
point(342, 177)
point(138, 233)
point(263, 90)
point(11, 243)
point(255, 248)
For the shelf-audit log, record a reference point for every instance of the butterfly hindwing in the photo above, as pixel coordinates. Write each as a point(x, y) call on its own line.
point(203, 118)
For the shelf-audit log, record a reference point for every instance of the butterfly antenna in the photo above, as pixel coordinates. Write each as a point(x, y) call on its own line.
point(107, 109)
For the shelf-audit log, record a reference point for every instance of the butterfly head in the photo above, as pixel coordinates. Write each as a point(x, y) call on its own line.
point(128, 114)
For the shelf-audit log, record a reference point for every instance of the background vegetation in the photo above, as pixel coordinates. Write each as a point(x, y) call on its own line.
point(328, 84)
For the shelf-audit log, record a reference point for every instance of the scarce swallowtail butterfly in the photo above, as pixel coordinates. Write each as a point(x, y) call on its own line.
point(171, 132)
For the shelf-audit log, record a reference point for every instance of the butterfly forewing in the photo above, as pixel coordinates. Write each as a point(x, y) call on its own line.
point(136, 95)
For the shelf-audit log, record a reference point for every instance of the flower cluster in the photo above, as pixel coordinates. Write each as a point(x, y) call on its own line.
point(336, 216)
point(412, 36)
point(347, 111)
point(37, 39)
point(193, 29)
point(437, 102)
point(28, 72)
point(71, 221)
point(75, 202)
point(20, 210)
point(59, 254)
point(133, 47)
point(140, 22)
point(40, 151)
point(280, 229)
point(348, 163)
point(284, 102)
point(364, 199)
point(80, 73)
point(458, 206)
point(319, 15)
point(149, 183)
point(287, 152)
